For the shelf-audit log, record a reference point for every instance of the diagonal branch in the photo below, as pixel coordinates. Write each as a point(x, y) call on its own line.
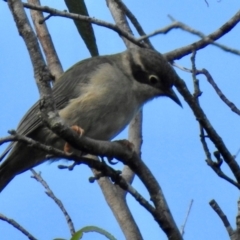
point(205, 123)
point(224, 29)
point(104, 169)
point(17, 226)
point(177, 24)
point(59, 203)
point(134, 21)
point(230, 104)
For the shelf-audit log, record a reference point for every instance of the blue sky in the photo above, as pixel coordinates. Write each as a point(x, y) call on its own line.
point(171, 147)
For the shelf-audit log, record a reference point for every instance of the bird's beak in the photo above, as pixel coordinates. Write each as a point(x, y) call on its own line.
point(171, 94)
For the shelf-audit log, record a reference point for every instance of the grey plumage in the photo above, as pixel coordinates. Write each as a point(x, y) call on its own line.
point(101, 95)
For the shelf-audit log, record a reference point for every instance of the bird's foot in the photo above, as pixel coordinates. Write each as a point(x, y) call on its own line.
point(79, 131)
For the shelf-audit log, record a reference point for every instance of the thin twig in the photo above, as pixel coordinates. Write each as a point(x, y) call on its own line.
point(204, 143)
point(211, 132)
point(230, 104)
point(209, 39)
point(59, 203)
point(102, 167)
point(92, 20)
point(197, 93)
point(185, 222)
point(236, 154)
point(210, 79)
point(140, 199)
point(222, 216)
point(178, 24)
point(216, 166)
point(17, 226)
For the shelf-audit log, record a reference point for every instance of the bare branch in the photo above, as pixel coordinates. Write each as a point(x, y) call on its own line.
point(224, 29)
point(59, 203)
point(238, 218)
point(41, 72)
point(212, 134)
point(45, 39)
point(177, 24)
point(185, 222)
point(210, 79)
point(222, 216)
point(121, 21)
point(235, 155)
point(55, 12)
point(216, 166)
point(102, 167)
point(230, 104)
point(163, 30)
point(17, 226)
point(204, 143)
point(134, 21)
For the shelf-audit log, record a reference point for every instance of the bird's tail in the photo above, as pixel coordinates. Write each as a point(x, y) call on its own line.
point(6, 175)
point(19, 160)
point(13, 165)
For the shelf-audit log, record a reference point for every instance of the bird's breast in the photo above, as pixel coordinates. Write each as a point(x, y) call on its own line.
point(106, 106)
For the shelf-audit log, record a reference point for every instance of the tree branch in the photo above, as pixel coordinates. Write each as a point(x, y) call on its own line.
point(185, 222)
point(209, 39)
point(46, 42)
point(134, 21)
point(59, 203)
point(230, 104)
point(55, 12)
point(179, 25)
point(212, 134)
point(222, 216)
point(17, 226)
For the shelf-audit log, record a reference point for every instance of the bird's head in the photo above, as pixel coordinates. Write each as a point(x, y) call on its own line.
point(152, 72)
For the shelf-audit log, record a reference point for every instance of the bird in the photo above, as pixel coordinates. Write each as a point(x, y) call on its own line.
point(100, 95)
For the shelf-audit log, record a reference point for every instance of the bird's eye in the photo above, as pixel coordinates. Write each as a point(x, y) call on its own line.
point(153, 79)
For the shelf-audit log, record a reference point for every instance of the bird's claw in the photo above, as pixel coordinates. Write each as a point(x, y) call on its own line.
point(79, 131)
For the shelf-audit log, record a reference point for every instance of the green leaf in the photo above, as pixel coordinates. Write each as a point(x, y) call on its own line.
point(84, 28)
point(78, 235)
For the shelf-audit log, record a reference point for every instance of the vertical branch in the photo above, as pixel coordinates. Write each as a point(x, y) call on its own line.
point(45, 39)
point(41, 73)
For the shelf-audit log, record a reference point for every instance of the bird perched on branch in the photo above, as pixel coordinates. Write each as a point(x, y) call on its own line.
point(101, 95)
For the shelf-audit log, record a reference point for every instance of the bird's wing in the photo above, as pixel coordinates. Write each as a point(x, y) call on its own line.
point(66, 88)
